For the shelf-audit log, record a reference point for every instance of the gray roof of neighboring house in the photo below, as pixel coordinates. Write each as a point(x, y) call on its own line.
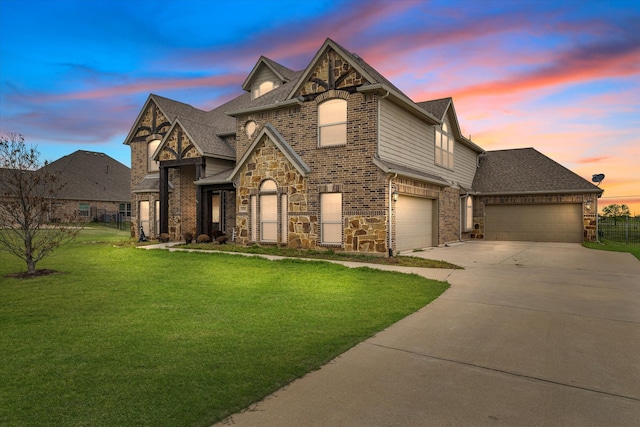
point(92, 176)
point(526, 170)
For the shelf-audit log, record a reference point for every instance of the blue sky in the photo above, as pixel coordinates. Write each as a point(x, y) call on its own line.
point(560, 76)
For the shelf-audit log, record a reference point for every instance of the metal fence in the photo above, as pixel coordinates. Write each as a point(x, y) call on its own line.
point(115, 220)
point(622, 229)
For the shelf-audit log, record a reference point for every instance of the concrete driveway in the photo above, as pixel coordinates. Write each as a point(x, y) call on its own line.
point(529, 334)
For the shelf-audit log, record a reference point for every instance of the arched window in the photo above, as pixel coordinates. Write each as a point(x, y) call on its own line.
point(332, 122)
point(269, 211)
point(444, 147)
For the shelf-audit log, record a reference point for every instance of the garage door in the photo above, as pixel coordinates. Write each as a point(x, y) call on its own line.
point(414, 222)
point(535, 223)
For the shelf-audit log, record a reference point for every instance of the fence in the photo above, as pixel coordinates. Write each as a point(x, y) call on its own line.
point(621, 229)
point(115, 220)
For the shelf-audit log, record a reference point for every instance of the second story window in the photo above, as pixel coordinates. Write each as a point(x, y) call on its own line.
point(152, 146)
point(444, 147)
point(332, 123)
point(262, 88)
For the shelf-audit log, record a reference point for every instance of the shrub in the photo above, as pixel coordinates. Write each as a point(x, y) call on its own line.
point(188, 236)
point(203, 238)
point(164, 237)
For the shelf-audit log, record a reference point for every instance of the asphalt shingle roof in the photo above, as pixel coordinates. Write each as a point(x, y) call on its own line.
point(92, 176)
point(436, 107)
point(525, 170)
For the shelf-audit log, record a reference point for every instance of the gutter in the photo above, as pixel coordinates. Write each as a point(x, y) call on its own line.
point(406, 102)
point(515, 193)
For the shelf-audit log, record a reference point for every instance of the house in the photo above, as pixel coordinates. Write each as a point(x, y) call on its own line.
point(336, 156)
point(96, 186)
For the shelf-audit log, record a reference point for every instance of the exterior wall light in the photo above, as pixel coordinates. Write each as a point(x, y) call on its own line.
point(588, 205)
point(395, 195)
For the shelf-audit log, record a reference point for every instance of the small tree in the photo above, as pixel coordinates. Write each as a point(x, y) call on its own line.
point(615, 211)
point(27, 204)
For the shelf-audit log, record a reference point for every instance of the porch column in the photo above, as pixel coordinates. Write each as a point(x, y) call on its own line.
point(199, 206)
point(164, 200)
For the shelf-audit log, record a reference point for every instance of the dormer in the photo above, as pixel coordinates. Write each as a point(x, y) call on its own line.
point(266, 76)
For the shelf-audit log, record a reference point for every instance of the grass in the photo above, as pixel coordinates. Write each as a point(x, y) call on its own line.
point(403, 261)
point(607, 245)
point(125, 336)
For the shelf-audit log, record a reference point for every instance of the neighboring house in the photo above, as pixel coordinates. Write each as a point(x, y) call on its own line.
point(334, 156)
point(96, 186)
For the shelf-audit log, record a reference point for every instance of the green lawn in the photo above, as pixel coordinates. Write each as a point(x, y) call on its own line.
point(607, 245)
point(125, 336)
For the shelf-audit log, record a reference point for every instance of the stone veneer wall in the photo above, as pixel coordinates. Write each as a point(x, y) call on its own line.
point(589, 216)
point(267, 162)
point(348, 169)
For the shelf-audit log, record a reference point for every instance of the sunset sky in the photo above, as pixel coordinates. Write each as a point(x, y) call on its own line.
point(560, 76)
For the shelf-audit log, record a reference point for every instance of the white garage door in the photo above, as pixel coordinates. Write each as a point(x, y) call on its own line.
point(535, 223)
point(414, 222)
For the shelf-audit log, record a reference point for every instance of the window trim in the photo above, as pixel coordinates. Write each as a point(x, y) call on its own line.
point(466, 220)
point(84, 212)
point(152, 165)
point(341, 123)
point(324, 222)
point(440, 152)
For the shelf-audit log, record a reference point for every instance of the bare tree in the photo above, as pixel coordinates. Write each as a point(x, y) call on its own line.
point(27, 204)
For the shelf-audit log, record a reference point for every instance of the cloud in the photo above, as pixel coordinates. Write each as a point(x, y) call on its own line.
point(592, 159)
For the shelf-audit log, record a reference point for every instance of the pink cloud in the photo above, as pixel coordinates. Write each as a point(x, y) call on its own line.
point(592, 159)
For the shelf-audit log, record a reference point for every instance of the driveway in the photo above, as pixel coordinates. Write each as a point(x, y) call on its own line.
point(529, 334)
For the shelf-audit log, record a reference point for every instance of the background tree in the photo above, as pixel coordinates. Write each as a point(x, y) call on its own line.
point(615, 211)
point(27, 203)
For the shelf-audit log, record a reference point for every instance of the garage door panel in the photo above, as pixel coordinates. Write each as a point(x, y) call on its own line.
point(414, 222)
point(538, 223)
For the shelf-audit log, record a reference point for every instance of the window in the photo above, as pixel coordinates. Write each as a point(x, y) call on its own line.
point(284, 219)
point(125, 210)
point(157, 216)
point(466, 217)
point(264, 87)
point(268, 211)
point(143, 215)
point(250, 127)
point(444, 147)
point(254, 215)
point(331, 218)
point(152, 146)
point(332, 123)
point(84, 209)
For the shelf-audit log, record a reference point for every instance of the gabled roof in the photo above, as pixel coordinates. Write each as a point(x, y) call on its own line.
point(92, 176)
point(284, 95)
point(439, 109)
point(283, 73)
point(203, 137)
point(526, 170)
point(281, 144)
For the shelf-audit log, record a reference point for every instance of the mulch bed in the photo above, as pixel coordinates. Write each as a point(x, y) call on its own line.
point(38, 273)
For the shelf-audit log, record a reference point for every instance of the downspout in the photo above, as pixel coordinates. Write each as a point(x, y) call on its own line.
point(465, 213)
point(391, 213)
point(390, 238)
